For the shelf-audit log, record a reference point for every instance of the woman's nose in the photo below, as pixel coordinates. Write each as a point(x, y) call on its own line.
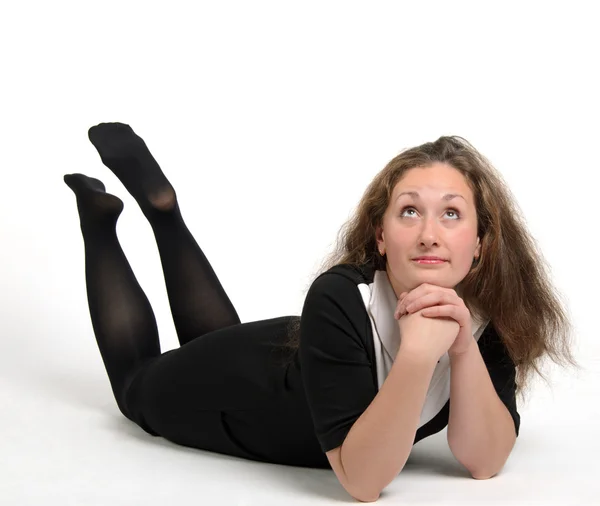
point(429, 231)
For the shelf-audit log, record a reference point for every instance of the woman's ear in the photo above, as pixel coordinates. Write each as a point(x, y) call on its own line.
point(379, 237)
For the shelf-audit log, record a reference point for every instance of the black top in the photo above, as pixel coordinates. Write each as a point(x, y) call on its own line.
point(338, 359)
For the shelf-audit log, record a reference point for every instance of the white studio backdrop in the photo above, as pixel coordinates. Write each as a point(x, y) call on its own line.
point(270, 119)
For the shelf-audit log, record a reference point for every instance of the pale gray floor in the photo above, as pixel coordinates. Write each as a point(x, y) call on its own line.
point(64, 442)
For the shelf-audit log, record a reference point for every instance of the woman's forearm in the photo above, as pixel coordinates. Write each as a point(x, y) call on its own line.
point(379, 443)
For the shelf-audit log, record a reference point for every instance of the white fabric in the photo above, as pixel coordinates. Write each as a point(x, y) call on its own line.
point(381, 301)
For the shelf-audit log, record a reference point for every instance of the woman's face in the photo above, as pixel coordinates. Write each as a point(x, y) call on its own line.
point(427, 223)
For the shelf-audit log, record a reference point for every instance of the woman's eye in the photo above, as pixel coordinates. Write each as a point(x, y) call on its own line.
point(451, 210)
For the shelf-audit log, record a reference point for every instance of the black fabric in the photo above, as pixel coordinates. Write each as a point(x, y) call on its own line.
point(198, 302)
point(502, 370)
point(338, 361)
point(230, 391)
point(121, 314)
point(338, 372)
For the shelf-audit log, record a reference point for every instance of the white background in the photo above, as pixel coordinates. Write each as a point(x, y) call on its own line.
point(270, 119)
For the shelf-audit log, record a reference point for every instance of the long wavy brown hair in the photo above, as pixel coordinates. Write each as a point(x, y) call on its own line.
point(510, 282)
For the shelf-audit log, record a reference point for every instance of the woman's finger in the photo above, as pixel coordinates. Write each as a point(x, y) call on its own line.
point(449, 310)
point(431, 299)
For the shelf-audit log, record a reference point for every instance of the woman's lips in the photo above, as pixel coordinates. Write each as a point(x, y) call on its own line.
point(425, 261)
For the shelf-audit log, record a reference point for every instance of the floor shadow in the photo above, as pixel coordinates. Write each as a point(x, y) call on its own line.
point(432, 456)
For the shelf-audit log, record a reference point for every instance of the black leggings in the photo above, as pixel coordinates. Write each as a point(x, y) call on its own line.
point(226, 379)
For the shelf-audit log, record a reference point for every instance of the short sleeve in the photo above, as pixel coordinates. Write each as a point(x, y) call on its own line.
point(336, 370)
point(502, 370)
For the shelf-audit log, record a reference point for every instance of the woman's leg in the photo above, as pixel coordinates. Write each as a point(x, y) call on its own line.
point(122, 318)
point(198, 301)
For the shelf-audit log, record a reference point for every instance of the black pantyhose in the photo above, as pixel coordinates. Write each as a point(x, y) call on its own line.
point(122, 318)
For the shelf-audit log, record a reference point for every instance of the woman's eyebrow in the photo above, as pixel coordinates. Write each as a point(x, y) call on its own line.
point(448, 196)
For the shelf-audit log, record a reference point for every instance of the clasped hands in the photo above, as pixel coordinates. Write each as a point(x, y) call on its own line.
point(436, 301)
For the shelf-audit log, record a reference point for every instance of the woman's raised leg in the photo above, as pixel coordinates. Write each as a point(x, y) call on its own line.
point(122, 318)
point(198, 301)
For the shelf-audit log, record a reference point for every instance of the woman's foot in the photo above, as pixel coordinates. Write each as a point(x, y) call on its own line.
point(93, 203)
point(125, 153)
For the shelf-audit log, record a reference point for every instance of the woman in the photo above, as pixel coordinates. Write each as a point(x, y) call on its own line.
point(385, 343)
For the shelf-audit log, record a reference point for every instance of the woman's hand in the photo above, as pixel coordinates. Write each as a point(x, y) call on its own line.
point(441, 333)
point(435, 301)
